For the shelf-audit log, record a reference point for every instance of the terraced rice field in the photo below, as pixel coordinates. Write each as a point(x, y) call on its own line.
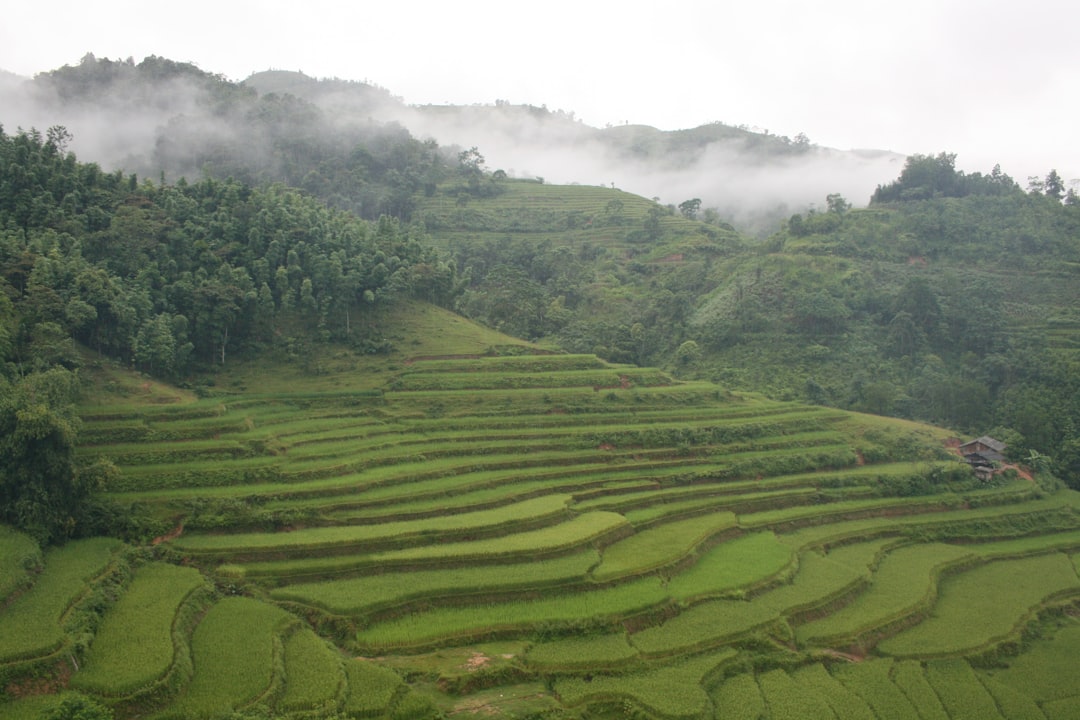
point(590, 538)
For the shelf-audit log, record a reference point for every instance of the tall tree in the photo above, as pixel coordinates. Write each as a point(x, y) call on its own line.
point(41, 489)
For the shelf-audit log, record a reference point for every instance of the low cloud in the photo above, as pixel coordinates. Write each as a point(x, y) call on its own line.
point(753, 179)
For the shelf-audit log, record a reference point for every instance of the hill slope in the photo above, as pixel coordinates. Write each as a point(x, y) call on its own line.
point(527, 532)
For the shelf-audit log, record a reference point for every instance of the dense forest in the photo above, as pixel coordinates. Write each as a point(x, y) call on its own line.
point(169, 279)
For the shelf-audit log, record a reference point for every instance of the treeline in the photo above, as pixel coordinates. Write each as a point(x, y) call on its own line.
point(952, 299)
point(167, 279)
point(209, 126)
point(163, 276)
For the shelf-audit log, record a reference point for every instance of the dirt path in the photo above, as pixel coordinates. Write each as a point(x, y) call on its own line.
point(171, 535)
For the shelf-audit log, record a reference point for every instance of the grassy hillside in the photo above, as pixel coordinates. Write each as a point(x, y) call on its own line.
point(500, 529)
point(955, 306)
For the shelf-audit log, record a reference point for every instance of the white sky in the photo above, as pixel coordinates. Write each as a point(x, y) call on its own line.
point(990, 80)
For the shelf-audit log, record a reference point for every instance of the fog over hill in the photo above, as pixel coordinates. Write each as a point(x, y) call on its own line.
point(752, 177)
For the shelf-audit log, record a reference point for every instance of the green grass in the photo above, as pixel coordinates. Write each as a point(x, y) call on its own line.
point(33, 706)
point(736, 563)
point(1012, 703)
point(485, 620)
point(739, 696)
point(704, 626)
point(910, 677)
point(19, 556)
point(1067, 709)
point(659, 546)
point(314, 676)
point(963, 696)
point(354, 596)
point(595, 530)
point(870, 680)
point(816, 681)
point(790, 700)
point(314, 539)
point(904, 583)
point(985, 605)
point(550, 541)
point(673, 691)
point(31, 625)
point(133, 647)
point(1037, 672)
point(817, 581)
point(371, 688)
point(1054, 513)
point(584, 654)
point(235, 649)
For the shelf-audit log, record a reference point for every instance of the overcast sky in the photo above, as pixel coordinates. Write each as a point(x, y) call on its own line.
point(990, 80)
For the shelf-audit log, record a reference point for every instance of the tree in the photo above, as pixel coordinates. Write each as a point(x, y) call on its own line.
point(837, 204)
point(155, 345)
point(1054, 186)
point(1068, 462)
point(689, 208)
point(688, 353)
point(78, 707)
point(41, 490)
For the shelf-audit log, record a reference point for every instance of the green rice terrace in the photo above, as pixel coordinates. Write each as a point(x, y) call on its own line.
point(507, 532)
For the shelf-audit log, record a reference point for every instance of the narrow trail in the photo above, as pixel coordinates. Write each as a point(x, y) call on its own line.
point(171, 535)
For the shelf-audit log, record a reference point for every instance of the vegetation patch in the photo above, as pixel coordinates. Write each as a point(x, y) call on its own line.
point(19, 559)
point(660, 546)
point(674, 691)
point(134, 646)
point(314, 676)
point(591, 653)
point(237, 654)
point(985, 605)
point(32, 625)
point(355, 596)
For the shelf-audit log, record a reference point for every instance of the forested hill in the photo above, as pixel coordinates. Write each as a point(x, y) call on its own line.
point(167, 278)
point(953, 298)
point(362, 149)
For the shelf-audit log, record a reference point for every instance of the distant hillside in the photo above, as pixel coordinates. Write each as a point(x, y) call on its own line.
point(958, 306)
point(754, 179)
point(159, 117)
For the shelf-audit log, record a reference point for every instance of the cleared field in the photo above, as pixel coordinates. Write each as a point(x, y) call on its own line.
point(985, 605)
point(134, 647)
point(584, 654)
point(31, 625)
point(601, 607)
point(371, 688)
point(19, 556)
point(355, 596)
point(660, 546)
point(602, 538)
point(739, 696)
point(314, 676)
point(961, 693)
point(674, 691)
point(904, 583)
point(235, 650)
